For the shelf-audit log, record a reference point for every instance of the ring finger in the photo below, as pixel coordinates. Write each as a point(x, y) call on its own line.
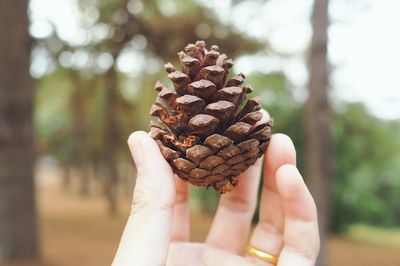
point(268, 234)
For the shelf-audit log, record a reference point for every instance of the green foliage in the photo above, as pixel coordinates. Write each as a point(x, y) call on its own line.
point(367, 165)
point(204, 199)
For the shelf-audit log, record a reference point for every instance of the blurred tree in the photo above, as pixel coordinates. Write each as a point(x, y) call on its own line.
point(318, 123)
point(18, 238)
point(53, 121)
point(112, 138)
point(80, 128)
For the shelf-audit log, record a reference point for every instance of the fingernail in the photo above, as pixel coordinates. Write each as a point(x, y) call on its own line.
point(137, 150)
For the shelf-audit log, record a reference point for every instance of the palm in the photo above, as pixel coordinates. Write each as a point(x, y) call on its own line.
point(229, 233)
point(200, 254)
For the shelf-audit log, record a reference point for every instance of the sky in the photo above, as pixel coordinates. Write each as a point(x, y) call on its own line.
point(364, 41)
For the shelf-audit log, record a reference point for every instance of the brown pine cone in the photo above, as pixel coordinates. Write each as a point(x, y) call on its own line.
point(207, 131)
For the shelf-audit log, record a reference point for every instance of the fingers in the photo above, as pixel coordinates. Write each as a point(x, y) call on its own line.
point(149, 225)
point(268, 234)
point(301, 238)
point(232, 221)
point(180, 226)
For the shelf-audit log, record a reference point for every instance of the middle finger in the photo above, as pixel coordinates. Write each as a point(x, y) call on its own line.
point(232, 221)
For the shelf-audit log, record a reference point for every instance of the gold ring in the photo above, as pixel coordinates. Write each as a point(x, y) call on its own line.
point(261, 255)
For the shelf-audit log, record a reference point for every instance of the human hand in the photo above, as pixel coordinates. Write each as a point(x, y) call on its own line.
point(157, 231)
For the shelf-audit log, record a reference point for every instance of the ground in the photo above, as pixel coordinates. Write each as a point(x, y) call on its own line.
point(77, 231)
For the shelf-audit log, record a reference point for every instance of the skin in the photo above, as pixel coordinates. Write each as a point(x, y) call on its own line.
point(157, 231)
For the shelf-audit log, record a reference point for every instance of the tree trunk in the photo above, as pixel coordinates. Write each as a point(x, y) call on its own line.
point(18, 238)
point(82, 159)
point(66, 184)
point(317, 121)
point(112, 138)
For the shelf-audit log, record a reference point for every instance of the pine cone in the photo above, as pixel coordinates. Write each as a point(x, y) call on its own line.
point(209, 133)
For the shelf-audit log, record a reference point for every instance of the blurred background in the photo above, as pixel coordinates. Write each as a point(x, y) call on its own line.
point(77, 77)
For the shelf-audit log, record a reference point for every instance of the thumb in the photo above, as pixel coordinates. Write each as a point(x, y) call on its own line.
point(155, 183)
point(146, 236)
